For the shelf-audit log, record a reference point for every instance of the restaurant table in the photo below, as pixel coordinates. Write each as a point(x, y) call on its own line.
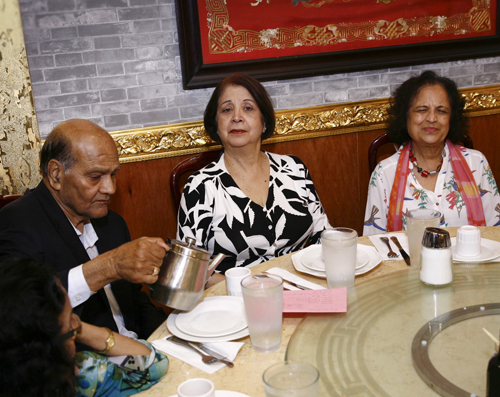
point(368, 351)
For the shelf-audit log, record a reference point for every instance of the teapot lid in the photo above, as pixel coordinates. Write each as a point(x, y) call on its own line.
point(189, 248)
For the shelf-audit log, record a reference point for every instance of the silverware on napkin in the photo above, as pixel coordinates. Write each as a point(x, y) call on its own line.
point(299, 286)
point(218, 356)
point(401, 250)
point(391, 254)
point(202, 350)
point(302, 287)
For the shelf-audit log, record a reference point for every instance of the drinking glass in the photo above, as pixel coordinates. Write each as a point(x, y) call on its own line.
point(291, 379)
point(416, 222)
point(339, 246)
point(263, 299)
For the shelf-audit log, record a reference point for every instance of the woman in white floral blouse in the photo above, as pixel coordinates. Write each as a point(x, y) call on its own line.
point(249, 204)
point(430, 170)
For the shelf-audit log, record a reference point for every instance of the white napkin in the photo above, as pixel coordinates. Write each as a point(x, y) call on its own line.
point(227, 349)
point(382, 247)
point(286, 275)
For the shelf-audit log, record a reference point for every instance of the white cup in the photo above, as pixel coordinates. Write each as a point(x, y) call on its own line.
point(233, 279)
point(291, 379)
point(339, 247)
point(468, 241)
point(263, 298)
point(198, 387)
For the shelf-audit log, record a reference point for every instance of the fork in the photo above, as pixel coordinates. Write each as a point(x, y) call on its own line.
point(391, 253)
point(206, 358)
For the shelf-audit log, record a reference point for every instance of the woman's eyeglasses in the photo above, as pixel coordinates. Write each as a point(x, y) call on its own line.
point(76, 325)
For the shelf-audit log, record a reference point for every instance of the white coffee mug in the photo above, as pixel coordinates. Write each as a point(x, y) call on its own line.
point(468, 241)
point(233, 279)
point(198, 387)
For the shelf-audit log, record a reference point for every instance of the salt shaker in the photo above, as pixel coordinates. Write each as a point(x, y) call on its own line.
point(436, 257)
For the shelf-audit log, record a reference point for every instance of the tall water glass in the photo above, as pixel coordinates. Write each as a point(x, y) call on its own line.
point(416, 222)
point(339, 246)
point(291, 379)
point(263, 299)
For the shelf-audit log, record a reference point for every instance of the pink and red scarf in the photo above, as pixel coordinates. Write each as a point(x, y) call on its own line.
point(463, 178)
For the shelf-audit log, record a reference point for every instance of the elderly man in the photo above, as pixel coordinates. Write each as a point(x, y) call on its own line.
point(65, 223)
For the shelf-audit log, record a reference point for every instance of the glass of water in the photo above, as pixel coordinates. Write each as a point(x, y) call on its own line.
point(417, 221)
point(291, 378)
point(339, 247)
point(263, 299)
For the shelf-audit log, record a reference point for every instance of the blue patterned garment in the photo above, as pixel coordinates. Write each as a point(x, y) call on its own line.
point(223, 219)
point(98, 376)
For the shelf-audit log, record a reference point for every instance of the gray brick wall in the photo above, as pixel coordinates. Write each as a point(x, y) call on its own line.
point(116, 62)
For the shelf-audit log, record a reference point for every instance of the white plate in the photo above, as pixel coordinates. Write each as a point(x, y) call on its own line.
point(225, 393)
point(314, 260)
point(373, 254)
point(214, 317)
point(490, 250)
point(177, 332)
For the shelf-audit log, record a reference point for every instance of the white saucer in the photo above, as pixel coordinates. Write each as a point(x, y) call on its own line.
point(221, 316)
point(375, 260)
point(490, 250)
point(225, 393)
point(314, 259)
point(172, 327)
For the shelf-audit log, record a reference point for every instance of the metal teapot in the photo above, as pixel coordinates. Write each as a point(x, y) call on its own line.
point(183, 274)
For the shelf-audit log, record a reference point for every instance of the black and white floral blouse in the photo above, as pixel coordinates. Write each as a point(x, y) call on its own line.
point(222, 218)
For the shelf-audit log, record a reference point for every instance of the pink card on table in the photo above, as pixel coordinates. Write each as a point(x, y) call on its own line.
point(315, 301)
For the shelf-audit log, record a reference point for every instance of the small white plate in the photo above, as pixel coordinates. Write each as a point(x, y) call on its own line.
point(225, 393)
point(214, 317)
point(177, 332)
point(490, 250)
point(375, 260)
point(314, 261)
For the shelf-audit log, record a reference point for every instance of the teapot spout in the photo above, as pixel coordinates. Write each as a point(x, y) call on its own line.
point(213, 264)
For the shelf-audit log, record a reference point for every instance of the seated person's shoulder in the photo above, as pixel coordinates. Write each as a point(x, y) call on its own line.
point(210, 171)
point(20, 206)
point(474, 153)
point(286, 158)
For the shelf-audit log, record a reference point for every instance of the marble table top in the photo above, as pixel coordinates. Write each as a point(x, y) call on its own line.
point(246, 376)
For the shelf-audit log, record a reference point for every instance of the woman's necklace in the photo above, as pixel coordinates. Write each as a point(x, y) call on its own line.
point(423, 172)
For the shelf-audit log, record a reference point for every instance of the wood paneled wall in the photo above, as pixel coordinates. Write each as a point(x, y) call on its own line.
point(338, 165)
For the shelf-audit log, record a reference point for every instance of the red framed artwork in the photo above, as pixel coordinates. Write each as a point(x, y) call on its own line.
point(284, 39)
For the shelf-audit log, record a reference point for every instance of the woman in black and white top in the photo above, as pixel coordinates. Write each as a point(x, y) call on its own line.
point(249, 204)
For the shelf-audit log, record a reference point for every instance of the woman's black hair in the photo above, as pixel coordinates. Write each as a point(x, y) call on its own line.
point(34, 360)
point(408, 92)
point(259, 94)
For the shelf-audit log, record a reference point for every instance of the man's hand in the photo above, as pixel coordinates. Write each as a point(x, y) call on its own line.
point(138, 261)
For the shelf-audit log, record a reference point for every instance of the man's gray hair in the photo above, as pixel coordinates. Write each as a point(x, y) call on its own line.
point(57, 147)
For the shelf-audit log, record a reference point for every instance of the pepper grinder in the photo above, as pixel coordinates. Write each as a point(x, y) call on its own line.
point(436, 257)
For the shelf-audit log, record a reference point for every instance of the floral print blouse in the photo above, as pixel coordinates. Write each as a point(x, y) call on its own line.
point(99, 376)
point(446, 197)
point(222, 219)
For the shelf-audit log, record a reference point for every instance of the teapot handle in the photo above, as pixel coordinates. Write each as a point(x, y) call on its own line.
point(213, 264)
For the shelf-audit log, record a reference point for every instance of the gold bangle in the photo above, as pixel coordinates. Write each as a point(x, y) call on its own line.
point(110, 342)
